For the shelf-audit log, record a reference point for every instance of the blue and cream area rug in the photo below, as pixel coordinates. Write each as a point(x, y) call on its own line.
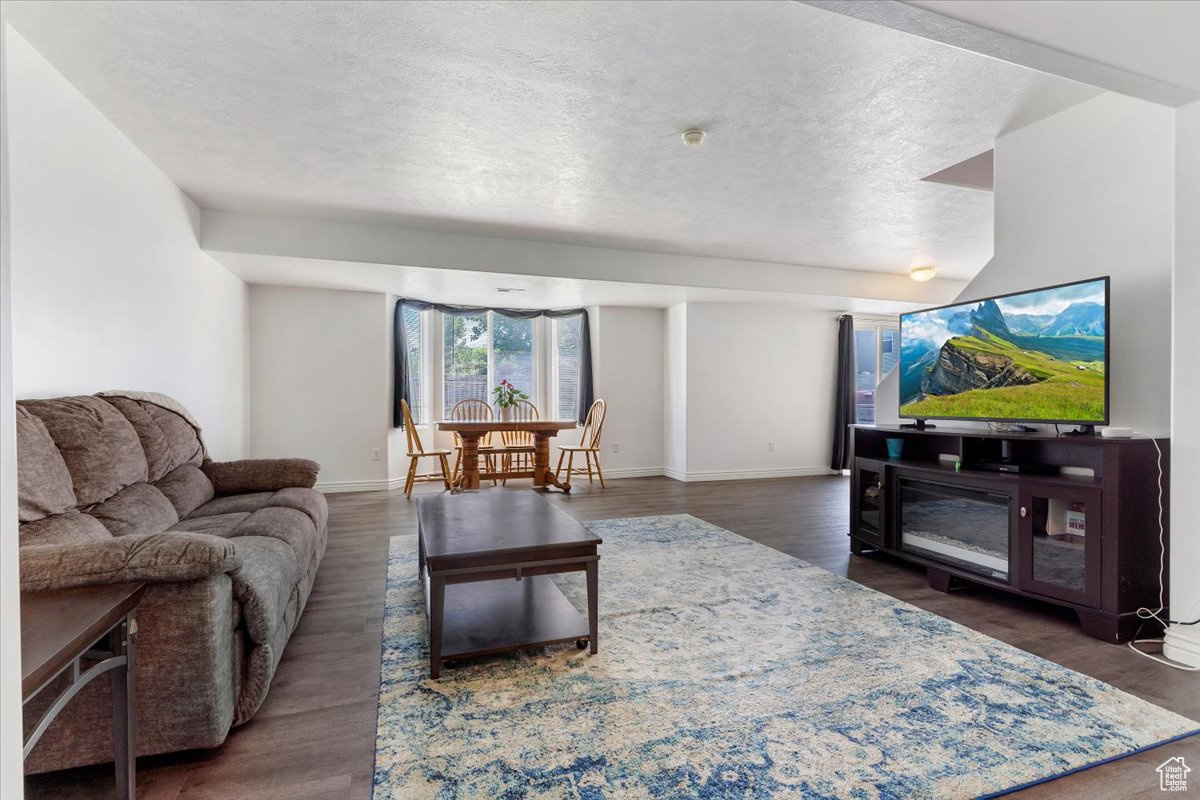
point(730, 670)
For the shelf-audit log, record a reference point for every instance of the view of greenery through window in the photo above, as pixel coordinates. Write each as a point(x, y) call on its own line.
point(466, 373)
point(465, 359)
point(512, 353)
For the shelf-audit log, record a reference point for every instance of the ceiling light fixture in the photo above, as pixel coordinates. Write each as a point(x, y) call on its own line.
point(922, 274)
point(508, 289)
point(692, 137)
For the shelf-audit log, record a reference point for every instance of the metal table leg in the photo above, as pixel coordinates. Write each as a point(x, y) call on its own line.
point(124, 706)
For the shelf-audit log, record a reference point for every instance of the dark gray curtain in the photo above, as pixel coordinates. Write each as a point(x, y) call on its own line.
point(402, 384)
point(843, 408)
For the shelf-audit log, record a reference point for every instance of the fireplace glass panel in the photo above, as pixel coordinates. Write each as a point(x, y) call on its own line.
point(963, 527)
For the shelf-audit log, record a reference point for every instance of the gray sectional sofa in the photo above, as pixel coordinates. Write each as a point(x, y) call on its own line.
point(118, 487)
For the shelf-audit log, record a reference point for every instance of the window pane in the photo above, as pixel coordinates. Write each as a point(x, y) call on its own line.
point(416, 349)
point(891, 351)
point(865, 378)
point(464, 359)
point(512, 352)
point(566, 366)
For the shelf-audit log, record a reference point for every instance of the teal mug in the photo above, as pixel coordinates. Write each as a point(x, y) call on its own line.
point(895, 448)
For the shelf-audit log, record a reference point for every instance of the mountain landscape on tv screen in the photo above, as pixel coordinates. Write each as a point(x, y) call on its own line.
point(1038, 355)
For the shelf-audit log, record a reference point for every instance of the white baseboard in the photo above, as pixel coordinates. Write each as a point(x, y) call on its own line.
point(749, 474)
point(377, 485)
point(1182, 644)
point(383, 484)
point(630, 472)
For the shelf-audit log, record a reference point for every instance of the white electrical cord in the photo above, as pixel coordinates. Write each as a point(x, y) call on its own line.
point(1146, 613)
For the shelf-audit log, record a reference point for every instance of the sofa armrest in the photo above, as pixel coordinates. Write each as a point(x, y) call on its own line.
point(154, 558)
point(261, 475)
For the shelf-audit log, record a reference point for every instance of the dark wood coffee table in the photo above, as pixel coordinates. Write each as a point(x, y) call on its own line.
point(60, 631)
point(497, 548)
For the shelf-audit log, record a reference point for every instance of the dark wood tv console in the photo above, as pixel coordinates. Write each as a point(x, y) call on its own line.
point(1068, 520)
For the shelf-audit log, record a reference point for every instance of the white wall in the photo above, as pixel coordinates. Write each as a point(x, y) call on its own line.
point(754, 375)
point(320, 377)
point(1084, 193)
point(11, 773)
point(1183, 643)
point(627, 362)
point(109, 287)
point(675, 392)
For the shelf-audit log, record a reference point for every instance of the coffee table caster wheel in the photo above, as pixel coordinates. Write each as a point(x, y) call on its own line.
point(581, 643)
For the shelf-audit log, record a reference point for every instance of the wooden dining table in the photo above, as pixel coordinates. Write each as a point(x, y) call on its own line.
point(471, 431)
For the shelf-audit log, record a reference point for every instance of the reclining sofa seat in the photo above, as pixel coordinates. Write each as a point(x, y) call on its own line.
point(118, 487)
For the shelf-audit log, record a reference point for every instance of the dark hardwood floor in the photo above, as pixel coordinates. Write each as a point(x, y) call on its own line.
point(315, 735)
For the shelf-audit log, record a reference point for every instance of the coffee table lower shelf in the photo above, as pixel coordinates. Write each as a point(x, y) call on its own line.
point(500, 616)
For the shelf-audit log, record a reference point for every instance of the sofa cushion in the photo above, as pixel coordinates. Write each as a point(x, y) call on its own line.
point(234, 503)
point(287, 525)
point(264, 582)
point(186, 445)
point(101, 449)
point(169, 440)
point(215, 525)
point(187, 488)
point(139, 508)
point(310, 501)
point(71, 527)
point(43, 482)
point(153, 440)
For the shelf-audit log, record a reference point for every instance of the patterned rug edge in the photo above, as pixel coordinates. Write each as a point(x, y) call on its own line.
point(1085, 767)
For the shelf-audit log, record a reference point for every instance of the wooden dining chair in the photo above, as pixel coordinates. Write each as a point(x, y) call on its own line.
point(589, 445)
point(472, 410)
point(517, 447)
point(417, 451)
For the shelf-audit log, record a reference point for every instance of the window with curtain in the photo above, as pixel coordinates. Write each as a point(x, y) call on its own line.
point(544, 355)
point(876, 353)
point(415, 356)
point(565, 366)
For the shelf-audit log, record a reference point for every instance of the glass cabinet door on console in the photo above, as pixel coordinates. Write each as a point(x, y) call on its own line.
point(1059, 538)
point(869, 486)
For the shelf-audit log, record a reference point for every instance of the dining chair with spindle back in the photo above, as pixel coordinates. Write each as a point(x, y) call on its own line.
point(517, 447)
point(417, 451)
point(589, 445)
point(472, 410)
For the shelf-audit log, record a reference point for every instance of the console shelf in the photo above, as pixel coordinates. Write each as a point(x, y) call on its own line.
point(1074, 522)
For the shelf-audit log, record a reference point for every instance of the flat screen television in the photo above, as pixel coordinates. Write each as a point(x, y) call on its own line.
point(1035, 356)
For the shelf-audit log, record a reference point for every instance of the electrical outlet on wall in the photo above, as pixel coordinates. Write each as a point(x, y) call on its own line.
point(771, 447)
point(375, 454)
point(616, 447)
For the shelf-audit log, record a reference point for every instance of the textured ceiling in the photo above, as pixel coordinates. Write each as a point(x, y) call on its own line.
point(561, 121)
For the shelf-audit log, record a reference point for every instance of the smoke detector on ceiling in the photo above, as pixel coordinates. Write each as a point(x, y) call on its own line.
point(508, 289)
point(692, 137)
